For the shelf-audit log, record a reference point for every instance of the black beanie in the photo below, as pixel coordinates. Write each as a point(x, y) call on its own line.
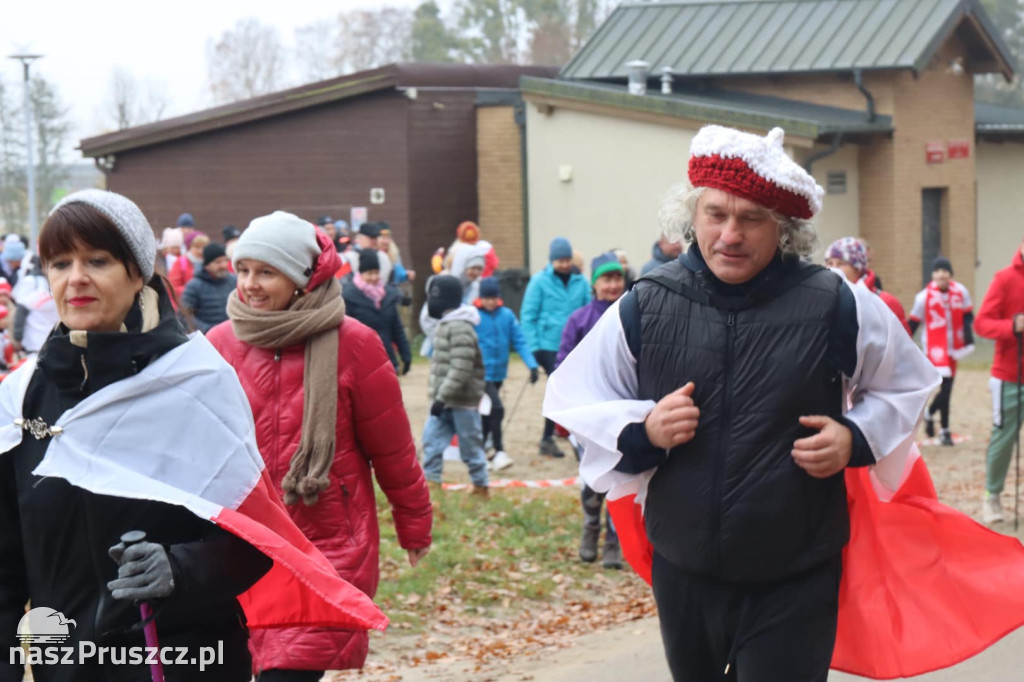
point(212, 252)
point(368, 260)
point(444, 293)
point(230, 232)
point(941, 263)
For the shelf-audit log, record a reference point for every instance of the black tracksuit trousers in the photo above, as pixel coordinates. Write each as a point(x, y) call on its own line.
point(777, 632)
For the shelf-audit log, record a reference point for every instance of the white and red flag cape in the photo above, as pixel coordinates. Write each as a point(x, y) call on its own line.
point(924, 586)
point(181, 432)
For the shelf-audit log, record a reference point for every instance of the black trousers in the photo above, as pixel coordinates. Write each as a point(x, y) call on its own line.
point(491, 423)
point(546, 359)
point(290, 676)
point(940, 403)
point(777, 632)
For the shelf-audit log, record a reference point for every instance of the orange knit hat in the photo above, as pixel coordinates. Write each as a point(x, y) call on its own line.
point(468, 232)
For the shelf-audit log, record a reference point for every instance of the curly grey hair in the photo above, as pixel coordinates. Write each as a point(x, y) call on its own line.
point(675, 216)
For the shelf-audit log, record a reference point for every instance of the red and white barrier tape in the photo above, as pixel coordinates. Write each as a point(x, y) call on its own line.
point(957, 440)
point(509, 483)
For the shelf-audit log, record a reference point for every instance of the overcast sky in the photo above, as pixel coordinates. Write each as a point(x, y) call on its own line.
point(83, 41)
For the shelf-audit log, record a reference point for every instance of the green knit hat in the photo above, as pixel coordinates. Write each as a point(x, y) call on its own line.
point(603, 264)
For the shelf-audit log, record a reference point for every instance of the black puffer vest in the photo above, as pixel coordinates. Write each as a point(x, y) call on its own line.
point(731, 503)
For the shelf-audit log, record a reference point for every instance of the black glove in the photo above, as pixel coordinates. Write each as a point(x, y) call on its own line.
point(534, 375)
point(144, 573)
point(437, 408)
point(406, 366)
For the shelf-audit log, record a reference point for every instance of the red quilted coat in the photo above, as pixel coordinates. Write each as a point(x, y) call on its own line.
point(372, 429)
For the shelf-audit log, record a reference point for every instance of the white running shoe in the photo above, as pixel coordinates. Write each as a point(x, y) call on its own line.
point(992, 509)
point(500, 461)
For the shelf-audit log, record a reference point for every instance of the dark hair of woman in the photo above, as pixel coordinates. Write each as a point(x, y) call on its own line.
point(79, 225)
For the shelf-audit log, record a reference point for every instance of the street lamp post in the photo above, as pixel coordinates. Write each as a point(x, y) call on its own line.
point(30, 170)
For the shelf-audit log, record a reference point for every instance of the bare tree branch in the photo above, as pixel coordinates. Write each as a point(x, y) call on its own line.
point(247, 61)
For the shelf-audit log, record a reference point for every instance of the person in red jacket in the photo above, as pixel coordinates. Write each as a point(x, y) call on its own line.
point(1001, 317)
point(328, 409)
point(185, 267)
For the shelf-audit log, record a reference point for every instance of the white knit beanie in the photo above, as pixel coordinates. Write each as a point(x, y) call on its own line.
point(127, 218)
point(282, 240)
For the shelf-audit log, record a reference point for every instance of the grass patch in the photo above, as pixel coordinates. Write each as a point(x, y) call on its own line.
point(488, 556)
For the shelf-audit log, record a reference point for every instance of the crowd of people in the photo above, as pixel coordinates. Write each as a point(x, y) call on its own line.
point(730, 352)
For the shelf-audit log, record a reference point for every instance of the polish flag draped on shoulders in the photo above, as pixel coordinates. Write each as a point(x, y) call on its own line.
point(181, 432)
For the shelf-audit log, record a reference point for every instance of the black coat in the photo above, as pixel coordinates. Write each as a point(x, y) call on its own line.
point(54, 537)
point(383, 320)
point(206, 297)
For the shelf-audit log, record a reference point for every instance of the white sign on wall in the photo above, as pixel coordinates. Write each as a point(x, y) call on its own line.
point(357, 216)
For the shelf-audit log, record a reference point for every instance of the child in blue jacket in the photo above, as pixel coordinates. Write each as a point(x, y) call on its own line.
point(497, 332)
point(552, 295)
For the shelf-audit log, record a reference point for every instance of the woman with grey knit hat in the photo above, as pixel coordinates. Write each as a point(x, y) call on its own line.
point(328, 409)
point(91, 449)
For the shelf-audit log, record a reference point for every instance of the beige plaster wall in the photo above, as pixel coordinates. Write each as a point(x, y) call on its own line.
point(840, 213)
point(1000, 168)
point(620, 171)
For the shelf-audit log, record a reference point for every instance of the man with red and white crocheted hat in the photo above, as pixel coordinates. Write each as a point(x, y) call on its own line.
point(716, 392)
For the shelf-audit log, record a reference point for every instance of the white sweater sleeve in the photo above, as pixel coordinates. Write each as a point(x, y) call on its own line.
point(593, 395)
point(889, 387)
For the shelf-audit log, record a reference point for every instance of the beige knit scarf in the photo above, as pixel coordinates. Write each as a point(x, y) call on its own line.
point(313, 318)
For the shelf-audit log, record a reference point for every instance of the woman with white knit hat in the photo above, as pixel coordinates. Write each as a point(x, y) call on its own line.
point(328, 410)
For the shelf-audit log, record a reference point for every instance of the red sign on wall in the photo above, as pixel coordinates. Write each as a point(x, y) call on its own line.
point(935, 152)
point(959, 149)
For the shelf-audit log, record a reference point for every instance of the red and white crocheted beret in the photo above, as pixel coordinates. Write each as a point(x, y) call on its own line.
point(755, 168)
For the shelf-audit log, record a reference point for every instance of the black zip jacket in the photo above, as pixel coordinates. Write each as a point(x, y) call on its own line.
point(384, 320)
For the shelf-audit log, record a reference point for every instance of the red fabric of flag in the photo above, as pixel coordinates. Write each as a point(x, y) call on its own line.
point(924, 586)
point(302, 588)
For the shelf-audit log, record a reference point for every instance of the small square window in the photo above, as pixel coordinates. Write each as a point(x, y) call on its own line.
point(836, 182)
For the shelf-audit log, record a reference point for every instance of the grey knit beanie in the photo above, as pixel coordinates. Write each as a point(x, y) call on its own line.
point(282, 240)
point(127, 218)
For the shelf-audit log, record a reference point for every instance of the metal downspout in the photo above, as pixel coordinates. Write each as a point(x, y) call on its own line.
point(858, 79)
point(520, 119)
point(837, 140)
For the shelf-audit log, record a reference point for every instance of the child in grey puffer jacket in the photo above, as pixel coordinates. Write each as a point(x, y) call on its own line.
point(456, 386)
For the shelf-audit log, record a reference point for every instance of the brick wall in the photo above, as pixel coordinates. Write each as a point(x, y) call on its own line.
point(500, 183)
point(936, 106)
point(831, 89)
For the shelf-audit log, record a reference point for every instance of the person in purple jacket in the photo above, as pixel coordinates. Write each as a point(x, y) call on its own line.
point(607, 279)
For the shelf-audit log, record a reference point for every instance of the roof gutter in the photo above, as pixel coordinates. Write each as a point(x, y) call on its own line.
point(858, 79)
point(837, 140)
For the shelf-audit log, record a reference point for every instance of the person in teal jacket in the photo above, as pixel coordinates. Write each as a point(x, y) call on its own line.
point(497, 332)
point(552, 295)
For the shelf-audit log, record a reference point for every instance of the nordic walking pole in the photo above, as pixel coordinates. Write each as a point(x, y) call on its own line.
point(156, 669)
point(1016, 496)
point(519, 398)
